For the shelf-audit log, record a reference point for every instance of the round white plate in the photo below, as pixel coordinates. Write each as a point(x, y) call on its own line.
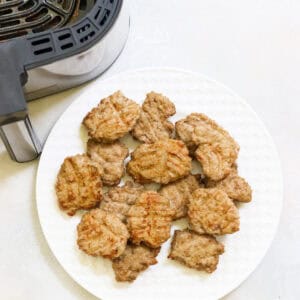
point(258, 163)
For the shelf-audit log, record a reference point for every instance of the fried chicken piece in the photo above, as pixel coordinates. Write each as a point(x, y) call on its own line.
point(133, 261)
point(212, 211)
point(153, 124)
point(118, 200)
point(100, 233)
point(78, 184)
point(196, 251)
point(149, 219)
point(179, 192)
point(213, 147)
point(111, 158)
point(161, 162)
point(236, 187)
point(112, 118)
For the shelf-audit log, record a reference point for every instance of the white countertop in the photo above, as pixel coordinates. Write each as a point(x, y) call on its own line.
point(251, 46)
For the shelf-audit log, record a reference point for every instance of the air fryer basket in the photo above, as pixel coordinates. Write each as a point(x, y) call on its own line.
point(27, 43)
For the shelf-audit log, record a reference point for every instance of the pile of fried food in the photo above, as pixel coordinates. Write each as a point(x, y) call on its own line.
point(129, 223)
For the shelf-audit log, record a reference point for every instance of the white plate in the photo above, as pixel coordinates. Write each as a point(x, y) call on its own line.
point(258, 163)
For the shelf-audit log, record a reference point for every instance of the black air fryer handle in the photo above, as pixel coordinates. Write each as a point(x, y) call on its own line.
point(12, 78)
point(15, 127)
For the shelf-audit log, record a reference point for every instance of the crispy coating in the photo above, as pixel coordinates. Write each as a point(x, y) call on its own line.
point(149, 219)
point(118, 200)
point(111, 158)
point(153, 124)
point(112, 118)
point(161, 162)
point(78, 184)
point(133, 261)
point(214, 148)
point(212, 211)
point(100, 233)
point(179, 192)
point(236, 187)
point(196, 251)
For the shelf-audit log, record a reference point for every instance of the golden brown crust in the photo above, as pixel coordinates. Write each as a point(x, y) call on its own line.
point(111, 158)
point(78, 184)
point(212, 211)
point(179, 192)
point(133, 261)
point(100, 233)
point(236, 187)
point(118, 200)
point(112, 118)
point(153, 124)
point(197, 251)
point(161, 162)
point(213, 147)
point(149, 219)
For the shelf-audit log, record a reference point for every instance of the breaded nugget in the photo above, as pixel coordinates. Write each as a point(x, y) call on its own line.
point(133, 261)
point(149, 219)
point(118, 200)
point(196, 251)
point(212, 211)
point(214, 148)
point(236, 187)
point(161, 162)
point(111, 158)
point(100, 233)
point(78, 184)
point(179, 192)
point(153, 124)
point(112, 118)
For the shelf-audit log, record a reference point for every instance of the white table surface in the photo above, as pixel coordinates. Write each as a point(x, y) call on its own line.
point(251, 46)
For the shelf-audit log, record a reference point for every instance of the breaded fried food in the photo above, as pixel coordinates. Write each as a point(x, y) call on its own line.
point(196, 251)
point(161, 162)
point(101, 233)
point(118, 200)
point(236, 187)
point(78, 184)
point(213, 147)
point(112, 118)
point(149, 220)
point(133, 261)
point(179, 192)
point(212, 211)
point(111, 158)
point(153, 124)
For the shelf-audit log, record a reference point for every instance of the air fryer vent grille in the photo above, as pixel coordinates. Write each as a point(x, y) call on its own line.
point(63, 40)
point(19, 17)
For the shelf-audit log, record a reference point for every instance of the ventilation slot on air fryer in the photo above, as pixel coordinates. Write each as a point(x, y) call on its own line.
point(64, 39)
point(42, 45)
point(27, 5)
point(48, 25)
point(5, 12)
point(105, 17)
point(85, 30)
point(38, 15)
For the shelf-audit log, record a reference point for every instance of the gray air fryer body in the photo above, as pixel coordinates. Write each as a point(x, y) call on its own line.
point(47, 46)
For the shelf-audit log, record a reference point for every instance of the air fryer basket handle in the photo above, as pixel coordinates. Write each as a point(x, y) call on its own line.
point(12, 77)
point(15, 128)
